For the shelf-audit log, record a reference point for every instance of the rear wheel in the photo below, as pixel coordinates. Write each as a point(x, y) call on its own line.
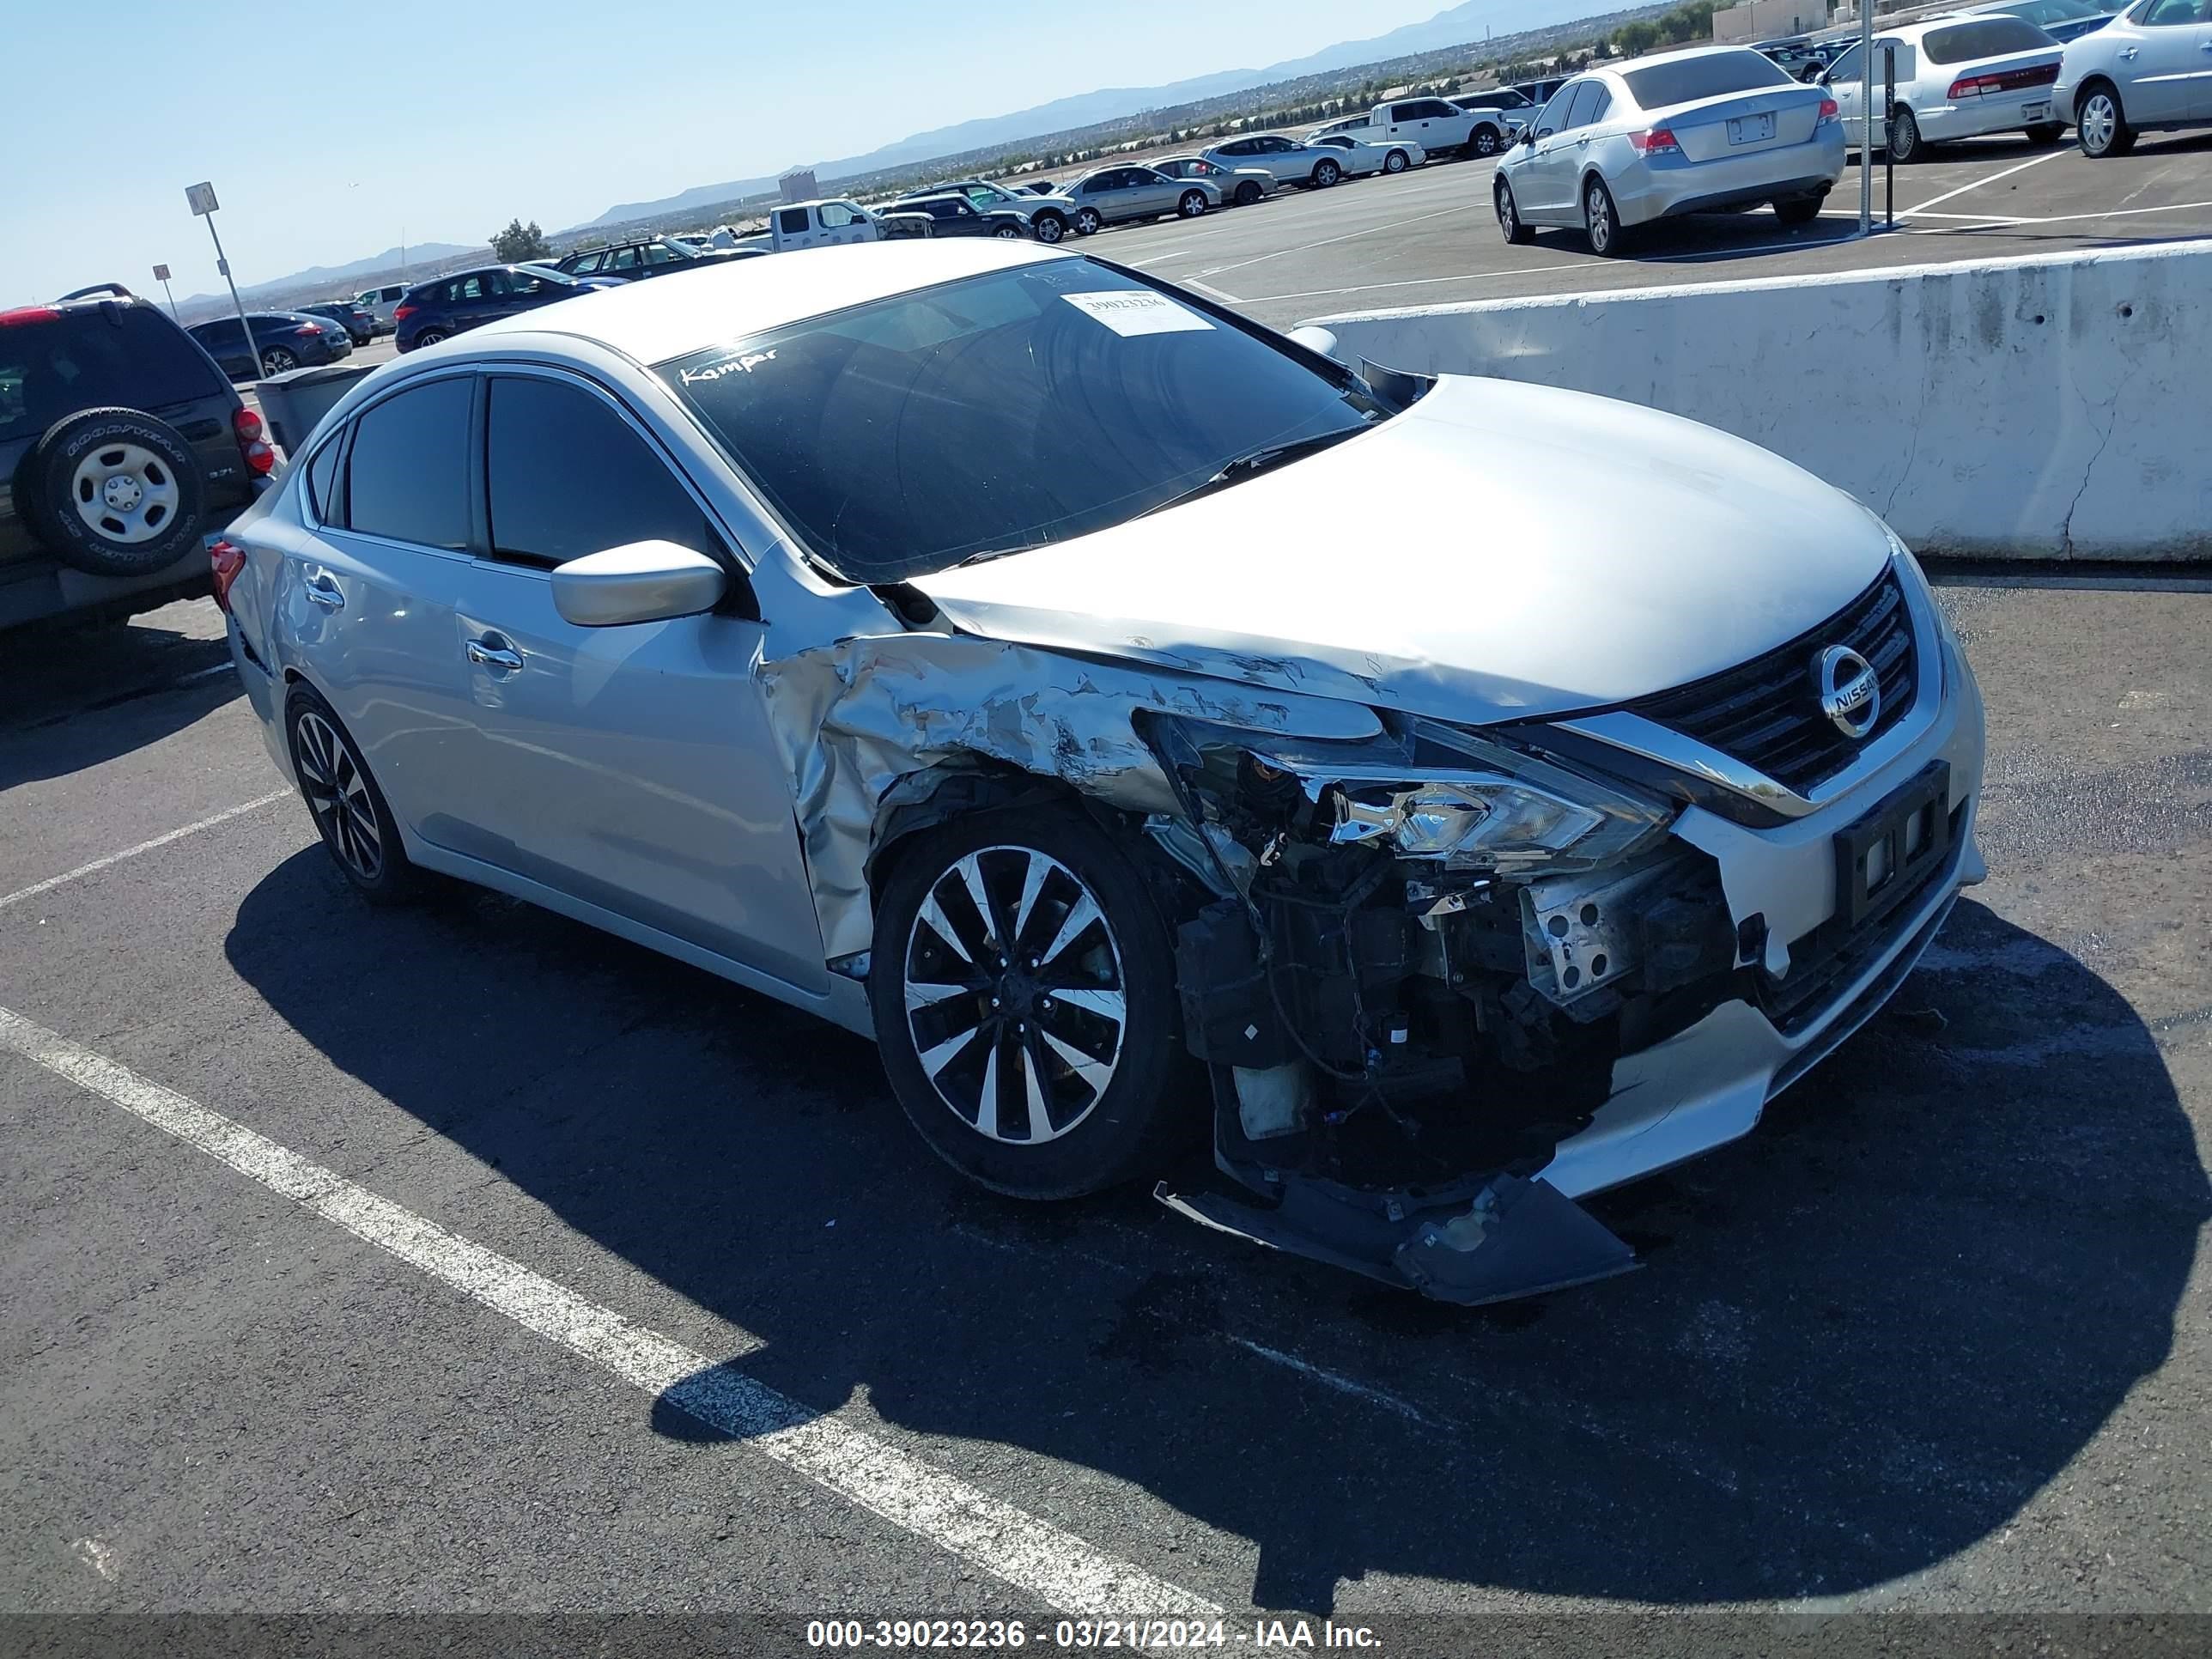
point(1509, 215)
point(1485, 141)
point(1905, 141)
point(279, 360)
point(1191, 205)
point(1325, 174)
point(1601, 220)
point(429, 337)
point(1008, 233)
point(1798, 210)
point(1023, 993)
point(2101, 122)
point(2050, 132)
point(356, 826)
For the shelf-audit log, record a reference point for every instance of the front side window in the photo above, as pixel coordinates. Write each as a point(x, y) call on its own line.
point(586, 265)
point(2168, 14)
point(998, 412)
point(1554, 114)
point(658, 253)
point(835, 215)
point(408, 477)
point(566, 475)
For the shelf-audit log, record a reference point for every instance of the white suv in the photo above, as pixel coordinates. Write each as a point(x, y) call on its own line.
point(380, 303)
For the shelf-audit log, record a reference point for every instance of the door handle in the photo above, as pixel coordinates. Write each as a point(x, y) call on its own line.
point(2130, 51)
point(493, 653)
point(323, 591)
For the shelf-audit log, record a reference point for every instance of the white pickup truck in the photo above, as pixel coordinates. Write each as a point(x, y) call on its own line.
point(804, 224)
point(1436, 124)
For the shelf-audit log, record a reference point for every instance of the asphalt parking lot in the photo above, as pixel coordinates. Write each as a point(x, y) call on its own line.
point(1937, 1337)
point(533, 1272)
point(1428, 237)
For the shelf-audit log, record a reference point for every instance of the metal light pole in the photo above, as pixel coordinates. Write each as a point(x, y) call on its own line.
point(162, 276)
point(201, 199)
point(1866, 111)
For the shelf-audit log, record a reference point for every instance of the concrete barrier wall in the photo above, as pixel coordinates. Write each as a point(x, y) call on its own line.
point(2050, 407)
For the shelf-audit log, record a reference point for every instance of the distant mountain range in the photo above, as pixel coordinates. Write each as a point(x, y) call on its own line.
point(1460, 24)
point(418, 253)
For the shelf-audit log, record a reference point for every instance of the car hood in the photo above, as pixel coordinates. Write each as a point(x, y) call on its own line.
point(1497, 551)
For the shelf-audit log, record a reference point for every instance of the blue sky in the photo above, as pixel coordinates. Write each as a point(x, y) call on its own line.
point(327, 133)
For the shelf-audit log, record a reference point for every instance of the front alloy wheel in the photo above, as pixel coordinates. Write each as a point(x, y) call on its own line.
point(1050, 228)
point(1023, 989)
point(1191, 205)
point(2101, 127)
point(1086, 222)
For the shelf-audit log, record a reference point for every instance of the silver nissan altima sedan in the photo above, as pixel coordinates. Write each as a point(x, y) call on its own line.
point(958, 641)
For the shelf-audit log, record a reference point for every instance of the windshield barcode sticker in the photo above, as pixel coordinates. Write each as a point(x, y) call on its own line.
point(1129, 311)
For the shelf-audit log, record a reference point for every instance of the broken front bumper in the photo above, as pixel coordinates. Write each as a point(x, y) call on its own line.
point(1816, 979)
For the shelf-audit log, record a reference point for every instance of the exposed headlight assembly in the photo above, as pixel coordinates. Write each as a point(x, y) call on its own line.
point(1447, 797)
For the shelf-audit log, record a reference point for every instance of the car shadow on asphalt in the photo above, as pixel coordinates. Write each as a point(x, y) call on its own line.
point(1865, 1338)
point(73, 697)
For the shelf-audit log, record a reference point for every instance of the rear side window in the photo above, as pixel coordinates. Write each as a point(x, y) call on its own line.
point(323, 480)
point(569, 476)
point(1986, 37)
point(408, 475)
point(791, 221)
point(1687, 79)
point(1590, 98)
point(103, 354)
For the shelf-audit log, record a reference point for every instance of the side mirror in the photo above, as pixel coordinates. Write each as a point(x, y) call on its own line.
point(1530, 136)
point(1316, 339)
point(642, 582)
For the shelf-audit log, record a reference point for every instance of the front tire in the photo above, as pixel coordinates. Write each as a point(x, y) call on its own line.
point(1049, 227)
point(1326, 173)
point(356, 825)
point(1087, 221)
point(1905, 141)
point(1248, 192)
point(1602, 220)
point(1023, 993)
point(1396, 162)
point(1509, 225)
point(1191, 205)
point(2101, 122)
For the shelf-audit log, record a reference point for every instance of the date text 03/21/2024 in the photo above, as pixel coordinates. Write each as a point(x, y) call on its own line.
point(1135, 1634)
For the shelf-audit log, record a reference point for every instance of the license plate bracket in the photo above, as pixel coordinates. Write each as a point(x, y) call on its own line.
point(2036, 112)
point(1750, 128)
point(1885, 855)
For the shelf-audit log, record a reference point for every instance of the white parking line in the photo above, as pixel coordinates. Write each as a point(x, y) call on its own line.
point(1010, 1544)
point(223, 816)
point(1999, 220)
point(1213, 293)
point(1977, 183)
point(1330, 241)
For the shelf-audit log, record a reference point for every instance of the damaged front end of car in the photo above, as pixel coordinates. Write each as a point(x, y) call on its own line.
point(1424, 957)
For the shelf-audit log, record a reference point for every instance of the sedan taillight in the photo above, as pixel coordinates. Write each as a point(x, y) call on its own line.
point(1658, 141)
point(1828, 111)
point(2014, 80)
point(228, 560)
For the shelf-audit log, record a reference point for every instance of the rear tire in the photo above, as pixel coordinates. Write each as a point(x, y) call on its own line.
point(984, 1050)
point(1484, 142)
point(429, 337)
point(356, 825)
point(2101, 122)
point(1509, 225)
point(1798, 210)
point(2050, 132)
point(1007, 232)
point(1602, 220)
point(1904, 141)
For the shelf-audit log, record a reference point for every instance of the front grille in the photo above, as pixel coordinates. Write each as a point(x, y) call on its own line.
point(1766, 713)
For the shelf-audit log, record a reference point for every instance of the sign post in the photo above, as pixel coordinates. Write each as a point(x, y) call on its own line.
point(201, 199)
point(162, 276)
point(1866, 113)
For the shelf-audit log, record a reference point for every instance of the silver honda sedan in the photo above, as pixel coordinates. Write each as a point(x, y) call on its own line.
point(1691, 132)
point(957, 640)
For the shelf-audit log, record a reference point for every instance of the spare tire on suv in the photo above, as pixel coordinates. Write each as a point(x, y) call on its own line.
point(113, 492)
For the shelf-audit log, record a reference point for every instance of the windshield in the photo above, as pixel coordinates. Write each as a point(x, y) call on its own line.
point(1000, 412)
point(2056, 11)
point(1687, 79)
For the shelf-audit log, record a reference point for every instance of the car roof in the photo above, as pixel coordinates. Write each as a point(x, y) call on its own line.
point(652, 322)
point(1676, 57)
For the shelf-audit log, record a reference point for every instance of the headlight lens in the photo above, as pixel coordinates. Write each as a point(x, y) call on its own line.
point(1483, 820)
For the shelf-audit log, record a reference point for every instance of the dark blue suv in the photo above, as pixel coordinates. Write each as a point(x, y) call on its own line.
point(431, 312)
